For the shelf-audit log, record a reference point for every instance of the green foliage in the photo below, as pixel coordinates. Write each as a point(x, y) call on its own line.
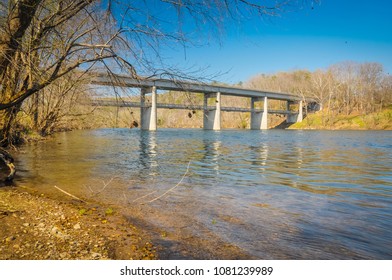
point(160, 122)
point(82, 211)
point(109, 211)
point(243, 123)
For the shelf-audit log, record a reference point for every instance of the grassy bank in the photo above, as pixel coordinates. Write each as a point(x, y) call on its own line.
point(322, 120)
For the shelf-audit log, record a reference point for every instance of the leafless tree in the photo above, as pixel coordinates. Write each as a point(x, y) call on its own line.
point(344, 88)
point(36, 49)
point(58, 104)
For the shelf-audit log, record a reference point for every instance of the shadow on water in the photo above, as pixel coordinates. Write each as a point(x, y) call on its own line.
point(265, 194)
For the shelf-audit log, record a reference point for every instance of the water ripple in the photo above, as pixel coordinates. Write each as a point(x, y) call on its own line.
point(275, 194)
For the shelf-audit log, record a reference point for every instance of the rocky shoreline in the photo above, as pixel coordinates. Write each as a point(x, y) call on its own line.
point(35, 227)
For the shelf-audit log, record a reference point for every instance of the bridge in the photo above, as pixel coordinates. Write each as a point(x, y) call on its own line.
point(212, 114)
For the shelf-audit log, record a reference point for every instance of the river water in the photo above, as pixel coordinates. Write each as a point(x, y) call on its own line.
point(275, 194)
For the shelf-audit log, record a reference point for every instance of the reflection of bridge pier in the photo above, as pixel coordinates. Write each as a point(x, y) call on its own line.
point(212, 154)
point(148, 153)
point(212, 114)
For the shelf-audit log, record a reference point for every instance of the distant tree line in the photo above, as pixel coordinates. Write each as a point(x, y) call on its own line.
point(343, 88)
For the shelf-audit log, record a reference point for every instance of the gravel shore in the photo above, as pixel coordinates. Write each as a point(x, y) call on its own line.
point(35, 227)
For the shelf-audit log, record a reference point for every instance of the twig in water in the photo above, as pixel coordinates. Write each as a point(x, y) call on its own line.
point(71, 195)
point(171, 189)
point(143, 196)
point(89, 188)
point(125, 198)
point(104, 185)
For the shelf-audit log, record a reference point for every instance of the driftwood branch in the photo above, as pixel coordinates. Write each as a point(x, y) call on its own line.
point(144, 196)
point(71, 195)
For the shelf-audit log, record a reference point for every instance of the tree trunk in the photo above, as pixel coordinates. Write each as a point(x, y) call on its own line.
point(20, 18)
point(9, 161)
point(7, 138)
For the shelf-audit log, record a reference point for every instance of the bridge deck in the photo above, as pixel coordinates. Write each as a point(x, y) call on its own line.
point(163, 84)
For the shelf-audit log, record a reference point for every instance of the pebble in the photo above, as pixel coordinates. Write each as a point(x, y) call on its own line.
point(77, 226)
point(96, 256)
point(55, 230)
point(9, 239)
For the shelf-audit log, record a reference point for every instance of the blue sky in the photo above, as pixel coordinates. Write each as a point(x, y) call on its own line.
point(332, 32)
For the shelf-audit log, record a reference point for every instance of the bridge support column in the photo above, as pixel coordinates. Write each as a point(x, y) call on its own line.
point(295, 117)
point(148, 112)
point(212, 117)
point(259, 120)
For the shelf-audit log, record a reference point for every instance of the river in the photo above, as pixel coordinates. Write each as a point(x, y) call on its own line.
point(275, 194)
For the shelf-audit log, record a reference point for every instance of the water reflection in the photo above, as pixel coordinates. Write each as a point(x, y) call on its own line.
point(260, 155)
point(212, 154)
point(149, 152)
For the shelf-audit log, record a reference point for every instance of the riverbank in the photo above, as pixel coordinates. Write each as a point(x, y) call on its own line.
point(326, 121)
point(34, 226)
point(38, 227)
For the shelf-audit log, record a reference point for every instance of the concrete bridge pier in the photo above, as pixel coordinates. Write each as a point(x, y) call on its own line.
point(295, 117)
point(148, 111)
point(259, 120)
point(212, 117)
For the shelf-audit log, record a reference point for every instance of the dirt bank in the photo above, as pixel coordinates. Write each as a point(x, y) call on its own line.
point(36, 227)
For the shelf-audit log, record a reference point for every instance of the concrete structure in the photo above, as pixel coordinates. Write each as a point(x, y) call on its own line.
point(148, 114)
point(212, 114)
point(296, 116)
point(259, 119)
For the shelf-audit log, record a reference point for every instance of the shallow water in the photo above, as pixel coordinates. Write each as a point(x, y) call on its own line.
point(274, 194)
